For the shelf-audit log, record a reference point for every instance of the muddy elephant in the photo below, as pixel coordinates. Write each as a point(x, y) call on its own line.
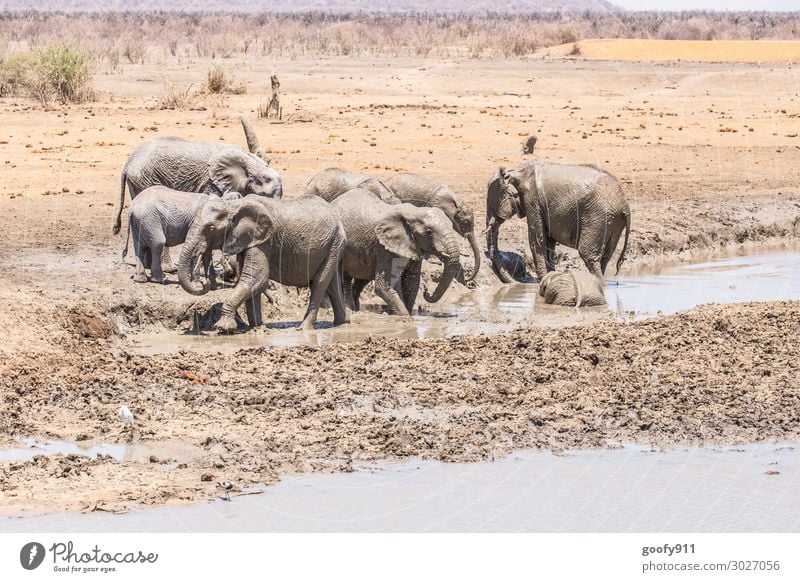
point(331, 183)
point(161, 218)
point(572, 288)
point(297, 242)
point(422, 192)
point(579, 206)
point(190, 166)
point(387, 243)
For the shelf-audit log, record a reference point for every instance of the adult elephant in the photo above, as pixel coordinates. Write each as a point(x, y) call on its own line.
point(422, 192)
point(580, 206)
point(297, 242)
point(190, 166)
point(387, 243)
point(331, 183)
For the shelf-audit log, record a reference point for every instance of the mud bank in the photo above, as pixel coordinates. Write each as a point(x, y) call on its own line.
point(716, 374)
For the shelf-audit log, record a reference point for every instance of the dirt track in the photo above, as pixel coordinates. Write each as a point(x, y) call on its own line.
point(677, 135)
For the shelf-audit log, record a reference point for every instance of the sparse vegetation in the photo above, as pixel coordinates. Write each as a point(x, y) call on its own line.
point(220, 80)
point(146, 38)
point(55, 72)
point(176, 98)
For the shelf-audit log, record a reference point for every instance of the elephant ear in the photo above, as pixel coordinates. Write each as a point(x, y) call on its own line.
point(251, 225)
point(394, 234)
point(228, 170)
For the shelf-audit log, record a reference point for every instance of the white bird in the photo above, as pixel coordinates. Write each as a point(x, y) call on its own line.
point(125, 415)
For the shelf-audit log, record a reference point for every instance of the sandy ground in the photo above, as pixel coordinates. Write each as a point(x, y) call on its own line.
point(708, 155)
point(720, 51)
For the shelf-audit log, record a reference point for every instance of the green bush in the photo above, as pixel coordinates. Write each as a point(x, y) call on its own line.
point(66, 71)
point(14, 73)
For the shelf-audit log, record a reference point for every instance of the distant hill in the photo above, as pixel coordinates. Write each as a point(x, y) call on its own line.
point(381, 6)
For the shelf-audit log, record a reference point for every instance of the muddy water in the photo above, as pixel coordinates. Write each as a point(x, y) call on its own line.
point(753, 277)
point(757, 277)
point(30, 447)
point(727, 489)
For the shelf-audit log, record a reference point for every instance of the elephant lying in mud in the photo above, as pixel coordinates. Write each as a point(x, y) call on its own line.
point(161, 218)
point(189, 166)
point(297, 242)
point(387, 243)
point(582, 207)
point(421, 192)
point(331, 183)
point(572, 289)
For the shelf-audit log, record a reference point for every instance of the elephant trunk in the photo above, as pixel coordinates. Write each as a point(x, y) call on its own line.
point(187, 266)
point(476, 254)
point(494, 254)
point(450, 257)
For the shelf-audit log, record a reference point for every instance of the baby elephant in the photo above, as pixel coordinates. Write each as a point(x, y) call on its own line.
point(160, 218)
point(572, 289)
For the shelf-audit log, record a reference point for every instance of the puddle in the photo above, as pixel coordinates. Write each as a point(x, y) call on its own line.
point(30, 447)
point(756, 277)
point(718, 489)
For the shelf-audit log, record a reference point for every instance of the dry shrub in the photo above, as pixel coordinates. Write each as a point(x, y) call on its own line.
point(220, 81)
point(575, 51)
point(175, 98)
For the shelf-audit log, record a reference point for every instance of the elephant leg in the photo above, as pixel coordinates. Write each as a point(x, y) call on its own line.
point(536, 239)
point(550, 254)
point(590, 249)
point(166, 261)
point(347, 289)
point(208, 269)
point(358, 287)
point(253, 308)
point(253, 281)
point(157, 249)
point(410, 284)
point(320, 284)
point(614, 234)
point(142, 253)
point(388, 276)
point(336, 297)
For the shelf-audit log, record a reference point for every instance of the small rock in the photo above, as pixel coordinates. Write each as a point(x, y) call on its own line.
point(205, 477)
point(154, 459)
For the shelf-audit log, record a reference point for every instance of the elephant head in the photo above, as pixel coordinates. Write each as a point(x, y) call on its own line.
point(503, 201)
point(233, 170)
point(233, 226)
point(415, 233)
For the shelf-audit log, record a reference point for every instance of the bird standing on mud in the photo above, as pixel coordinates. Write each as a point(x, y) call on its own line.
point(126, 416)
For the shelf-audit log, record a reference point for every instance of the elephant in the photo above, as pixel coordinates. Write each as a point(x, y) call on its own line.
point(159, 218)
point(190, 166)
point(331, 183)
point(422, 192)
point(387, 242)
point(298, 242)
point(580, 206)
point(572, 289)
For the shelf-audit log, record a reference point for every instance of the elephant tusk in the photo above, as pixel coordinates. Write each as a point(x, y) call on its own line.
point(489, 226)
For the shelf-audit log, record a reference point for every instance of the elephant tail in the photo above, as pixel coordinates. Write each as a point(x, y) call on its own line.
point(127, 240)
point(621, 258)
point(118, 217)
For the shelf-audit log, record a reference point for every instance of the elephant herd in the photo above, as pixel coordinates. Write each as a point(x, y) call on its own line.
point(350, 229)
